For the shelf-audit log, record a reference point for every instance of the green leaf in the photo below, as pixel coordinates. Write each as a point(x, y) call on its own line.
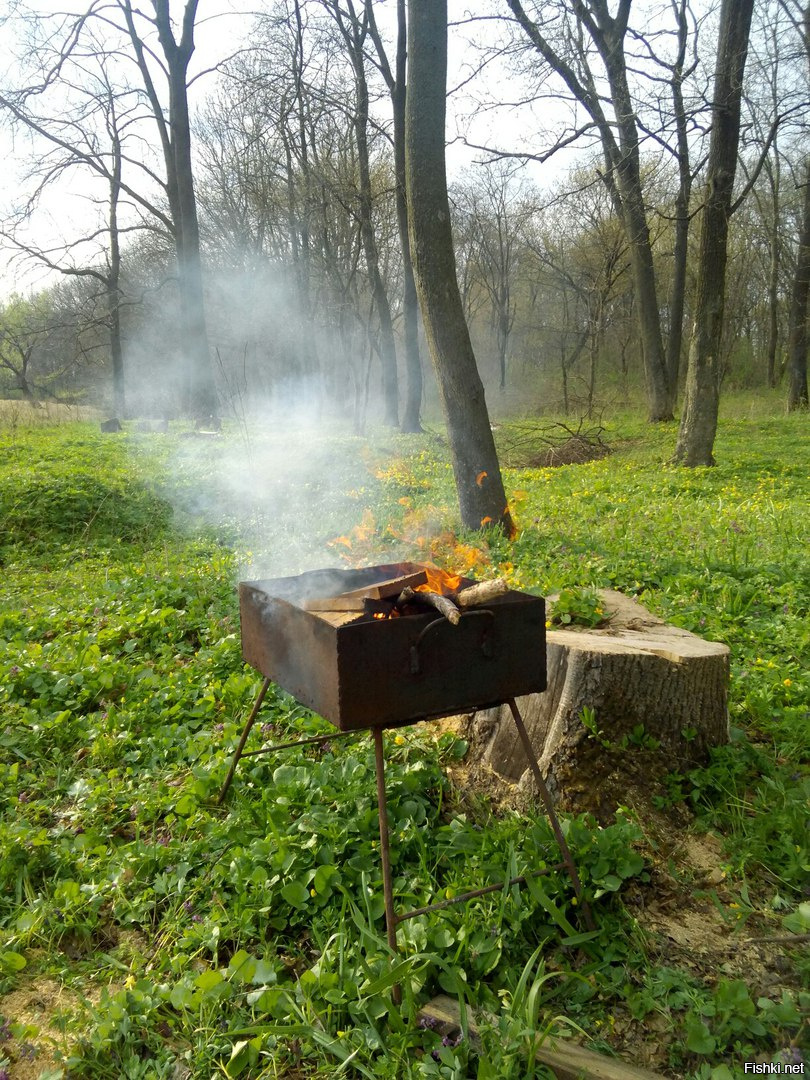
point(611, 883)
point(295, 894)
point(460, 748)
point(323, 876)
point(182, 996)
point(580, 939)
point(798, 922)
point(396, 974)
point(698, 1037)
point(264, 974)
point(243, 1054)
point(185, 806)
point(11, 961)
point(539, 894)
point(242, 966)
point(207, 980)
point(441, 938)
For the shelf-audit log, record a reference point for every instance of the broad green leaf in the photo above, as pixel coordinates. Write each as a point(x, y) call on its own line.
point(181, 996)
point(185, 806)
point(698, 1037)
point(207, 980)
point(295, 894)
point(11, 961)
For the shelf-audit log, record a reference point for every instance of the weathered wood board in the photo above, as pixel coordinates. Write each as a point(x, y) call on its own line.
point(567, 1060)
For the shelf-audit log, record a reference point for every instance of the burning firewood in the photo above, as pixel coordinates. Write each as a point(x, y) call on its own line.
point(442, 604)
point(481, 593)
point(382, 590)
point(355, 599)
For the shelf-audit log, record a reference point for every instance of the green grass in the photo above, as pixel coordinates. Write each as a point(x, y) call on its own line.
point(247, 941)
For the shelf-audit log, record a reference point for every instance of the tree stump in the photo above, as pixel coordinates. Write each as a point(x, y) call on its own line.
point(625, 705)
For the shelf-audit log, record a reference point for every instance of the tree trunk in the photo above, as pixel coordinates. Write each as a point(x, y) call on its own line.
point(699, 420)
point(773, 311)
point(25, 388)
point(504, 320)
point(638, 686)
point(482, 499)
point(113, 277)
point(773, 275)
point(411, 420)
point(388, 356)
point(396, 82)
point(306, 345)
point(660, 397)
point(677, 296)
point(353, 31)
point(201, 394)
point(798, 338)
point(116, 351)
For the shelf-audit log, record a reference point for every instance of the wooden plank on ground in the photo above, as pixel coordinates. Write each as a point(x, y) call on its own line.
point(567, 1060)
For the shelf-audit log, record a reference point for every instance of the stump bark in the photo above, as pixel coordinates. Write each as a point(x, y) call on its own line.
point(625, 704)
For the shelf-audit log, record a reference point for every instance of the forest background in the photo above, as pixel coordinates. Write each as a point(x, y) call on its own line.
point(272, 136)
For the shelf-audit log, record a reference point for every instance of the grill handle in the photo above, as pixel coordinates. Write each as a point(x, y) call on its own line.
point(486, 637)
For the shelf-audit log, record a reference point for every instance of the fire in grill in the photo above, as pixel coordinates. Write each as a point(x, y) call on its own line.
point(382, 647)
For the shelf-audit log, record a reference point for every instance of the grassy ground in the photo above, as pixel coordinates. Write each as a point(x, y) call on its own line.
point(147, 933)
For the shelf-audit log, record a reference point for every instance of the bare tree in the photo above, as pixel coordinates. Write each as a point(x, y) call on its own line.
point(591, 21)
point(396, 82)
point(36, 351)
point(115, 36)
point(482, 499)
point(354, 29)
point(698, 425)
point(81, 122)
point(679, 70)
point(583, 258)
point(497, 211)
point(174, 130)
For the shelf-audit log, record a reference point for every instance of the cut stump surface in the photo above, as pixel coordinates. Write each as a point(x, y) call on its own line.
point(637, 684)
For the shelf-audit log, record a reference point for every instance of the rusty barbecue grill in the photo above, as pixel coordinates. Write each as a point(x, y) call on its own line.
point(391, 645)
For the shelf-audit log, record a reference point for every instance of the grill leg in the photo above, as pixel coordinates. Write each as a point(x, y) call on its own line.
point(251, 720)
point(385, 853)
point(545, 794)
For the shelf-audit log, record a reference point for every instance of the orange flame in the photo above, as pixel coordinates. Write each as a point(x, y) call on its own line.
point(480, 478)
point(439, 581)
point(359, 539)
